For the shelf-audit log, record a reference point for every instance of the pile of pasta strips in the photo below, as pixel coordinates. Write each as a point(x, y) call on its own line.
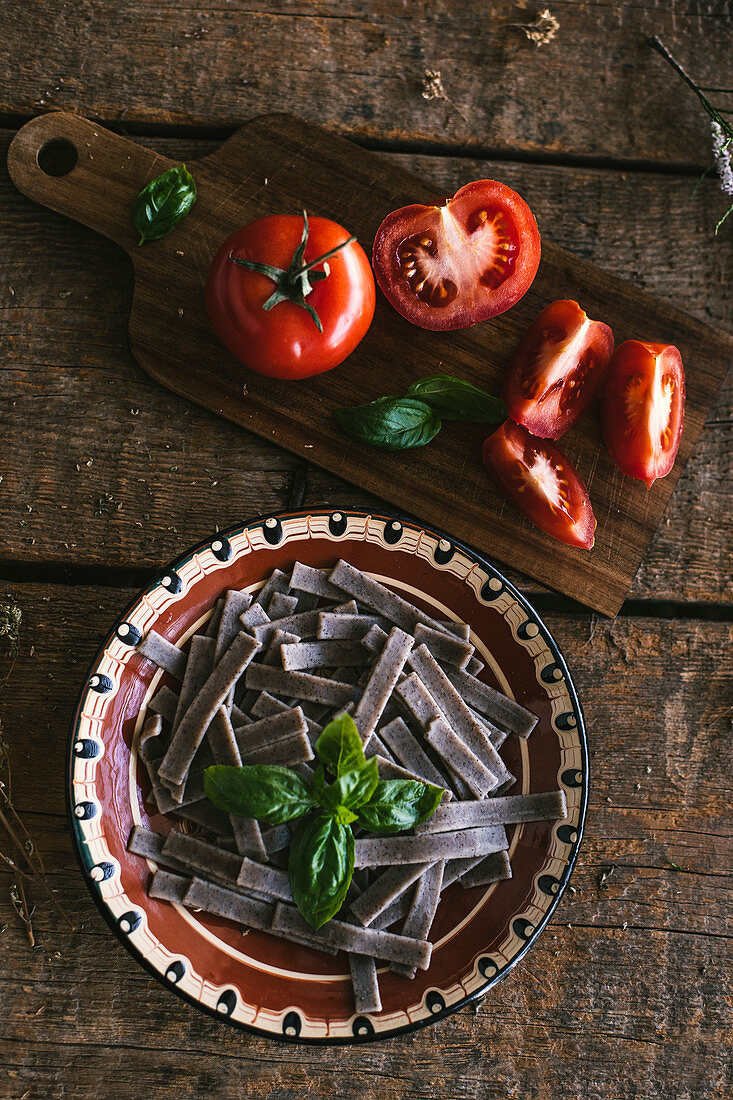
point(257, 688)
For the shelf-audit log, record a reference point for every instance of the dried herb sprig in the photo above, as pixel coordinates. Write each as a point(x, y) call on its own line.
point(721, 130)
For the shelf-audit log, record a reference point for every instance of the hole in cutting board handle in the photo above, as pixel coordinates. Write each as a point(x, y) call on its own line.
point(57, 157)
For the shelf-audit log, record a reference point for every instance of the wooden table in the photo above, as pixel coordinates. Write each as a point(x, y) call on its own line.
point(105, 477)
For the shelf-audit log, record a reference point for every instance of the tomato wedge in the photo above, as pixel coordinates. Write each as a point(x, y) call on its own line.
point(642, 409)
point(446, 267)
point(557, 369)
point(536, 476)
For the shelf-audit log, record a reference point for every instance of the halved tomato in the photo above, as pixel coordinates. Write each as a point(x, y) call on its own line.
point(536, 476)
point(557, 369)
point(643, 407)
point(446, 267)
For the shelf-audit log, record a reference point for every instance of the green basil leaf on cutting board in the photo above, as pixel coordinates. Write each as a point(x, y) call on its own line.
point(320, 867)
point(454, 399)
point(163, 203)
point(391, 423)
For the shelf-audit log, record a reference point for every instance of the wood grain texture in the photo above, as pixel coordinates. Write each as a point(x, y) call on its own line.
point(596, 90)
point(624, 995)
point(67, 372)
point(262, 169)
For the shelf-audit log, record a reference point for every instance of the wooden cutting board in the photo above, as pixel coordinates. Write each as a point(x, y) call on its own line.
point(278, 163)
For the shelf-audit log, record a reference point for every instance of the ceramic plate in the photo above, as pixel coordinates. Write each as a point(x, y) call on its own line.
point(253, 980)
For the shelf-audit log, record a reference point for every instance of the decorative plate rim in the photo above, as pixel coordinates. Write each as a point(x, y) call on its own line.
point(491, 981)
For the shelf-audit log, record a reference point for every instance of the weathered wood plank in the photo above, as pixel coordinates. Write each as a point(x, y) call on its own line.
point(68, 374)
point(596, 90)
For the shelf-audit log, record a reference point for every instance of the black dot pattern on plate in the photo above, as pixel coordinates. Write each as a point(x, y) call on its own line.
point(85, 811)
point(491, 589)
point(100, 872)
point(171, 581)
point(549, 885)
point(487, 968)
point(227, 1002)
point(86, 749)
point(528, 629)
point(337, 523)
point(551, 674)
point(129, 921)
point(221, 548)
point(567, 834)
point(292, 1024)
point(566, 721)
point(362, 1027)
point(434, 1001)
point(393, 531)
point(101, 683)
point(272, 529)
point(571, 777)
point(128, 634)
point(523, 928)
point(175, 971)
point(444, 551)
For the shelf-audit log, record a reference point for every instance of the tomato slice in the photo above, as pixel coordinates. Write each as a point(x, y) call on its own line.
point(536, 476)
point(557, 369)
point(643, 408)
point(446, 267)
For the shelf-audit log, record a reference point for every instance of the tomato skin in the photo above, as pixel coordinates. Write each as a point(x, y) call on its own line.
point(483, 253)
point(284, 342)
point(557, 370)
point(643, 409)
point(522, 466)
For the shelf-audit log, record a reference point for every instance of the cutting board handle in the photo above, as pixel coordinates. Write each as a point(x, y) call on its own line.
point(103, 172)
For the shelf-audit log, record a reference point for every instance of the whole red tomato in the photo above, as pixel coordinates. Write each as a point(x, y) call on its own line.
point(642, 408)
point(446, 267)
point(290, 296)
point(536, 476)
point(557, 369)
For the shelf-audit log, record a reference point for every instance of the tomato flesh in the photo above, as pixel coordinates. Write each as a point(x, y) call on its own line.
point(446, 267)
point(643, 409)
point(284, 341)
point(536, 476)
point(557, 369)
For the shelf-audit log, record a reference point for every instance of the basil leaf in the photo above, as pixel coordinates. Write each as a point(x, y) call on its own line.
point(163, 203)
point(352, 789)
point(339, 747)
point(399, 804)
point(267, 792)
point(321, 865)
point(454, 399)
point(392, 423)
point(344, 816)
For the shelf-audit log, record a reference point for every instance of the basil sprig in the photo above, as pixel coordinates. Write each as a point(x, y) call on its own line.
point(399, 423)
point(321, 859)
point(163, 203)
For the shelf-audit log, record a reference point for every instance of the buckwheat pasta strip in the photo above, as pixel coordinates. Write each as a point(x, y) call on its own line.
point(382, 679)
point(144, 842)
point(410, 753)
point(203, 858)
point(420, 918)
point(164, 703)
point(163, 653)
point(225, 750)
point(254, 617)
point(305, 578)
point(300, 655)
point(268, 731)
point(492, 868)
point(398, 910)
point(353, 938)
point(381, 599)
point(226, 903)
point(301, 685)
point(264, 880)
point(235, 605)
point(291, 750)
point(444, 647)
point(492, 704)
point(428, 847)
point(190, 732)
point(441, 737)
point(332, 626)
point(503, 810)
point(304, 624)
point(380, 894)
point(388, 769)
point(474, 666)
point(212, 625)
point(202, 812)
point(422, 707)
point(168, 887)
point(266, 705)
point(365, 983)
point(276, 582)
point(276, 838)
point(199, 665)
point(281, 607)
point(463, 723)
